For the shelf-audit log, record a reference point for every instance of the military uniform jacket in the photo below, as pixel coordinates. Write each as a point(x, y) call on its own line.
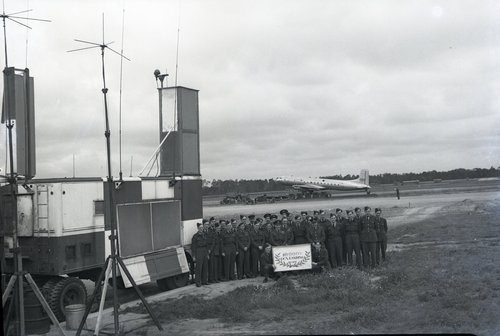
point(243, 239)
point(381, 227)
point(333, 231)
point(368, 229)
point(351, 227)
point(266, 259)
point(217, 243)
point(200, 242)
point(324, 223)
point(299, 230)
point(228, 240)
point(289, 236)
point(278, 238)
point(321, 257)
point(316, 235)
point(258, 238)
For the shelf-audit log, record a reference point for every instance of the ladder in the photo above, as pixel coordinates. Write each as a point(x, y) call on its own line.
point(42, 209)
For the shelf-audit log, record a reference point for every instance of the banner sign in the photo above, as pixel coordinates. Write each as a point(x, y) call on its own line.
point(292, 257)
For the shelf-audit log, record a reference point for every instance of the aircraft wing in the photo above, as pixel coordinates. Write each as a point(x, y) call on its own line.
point(311, 187)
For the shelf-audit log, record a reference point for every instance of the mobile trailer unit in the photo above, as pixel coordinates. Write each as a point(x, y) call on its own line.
point(62, 222)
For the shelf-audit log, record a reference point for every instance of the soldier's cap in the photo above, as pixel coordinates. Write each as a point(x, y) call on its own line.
point(222, 221)
point(233, 220)
point(284, 211)
point(267, 215)
point(350, 211)
point(309, 218)
point(315, 212)
point(212, 218)
point(338, 210)
point(205, 221)
point(277, 222)
point(251, 216)
point(356, 209)
point(241, 225)
point(274, 216)
point(303, 213)
point(378, 210)
point(367, 207)
point(198, 224)
point(259, 220)
point(322, 212)
point(297, 216)
point(332, 215)
point(243, 217)
point(267, 245)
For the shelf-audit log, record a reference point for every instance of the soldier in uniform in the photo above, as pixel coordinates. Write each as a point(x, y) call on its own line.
point(315, 234)
point(381, 224)
point(223, 228)
point(252, 219)
point(210, 232)
point(352, 238)
point(357, 218)
point(341, 220)
point(288, 230)
point(333, 234)
point(215, 256)
point(278, 235)
point(319, 257)
point(258, 237)
point(323, 221)
point(368, 237)
point(266, 263)
point(299, 231)
point(229, 252)
point(200, 246)
point(243, 242)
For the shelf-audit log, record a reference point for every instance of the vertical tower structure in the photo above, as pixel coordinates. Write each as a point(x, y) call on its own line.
point(180, 152)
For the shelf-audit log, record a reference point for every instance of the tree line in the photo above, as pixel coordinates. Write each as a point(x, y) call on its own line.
point(218, 187)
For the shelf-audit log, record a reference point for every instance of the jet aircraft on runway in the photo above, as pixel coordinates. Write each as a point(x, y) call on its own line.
point(318, 183)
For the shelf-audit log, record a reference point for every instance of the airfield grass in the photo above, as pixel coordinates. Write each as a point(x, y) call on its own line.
point(444, 277)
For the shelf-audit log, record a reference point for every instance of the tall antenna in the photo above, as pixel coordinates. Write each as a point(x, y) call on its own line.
point(177, 49)
point(114, 258)
point(120, 108)
point(17, 279)
point(13, 17)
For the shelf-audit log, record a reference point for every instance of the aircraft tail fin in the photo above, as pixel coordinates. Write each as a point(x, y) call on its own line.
point(364, 177)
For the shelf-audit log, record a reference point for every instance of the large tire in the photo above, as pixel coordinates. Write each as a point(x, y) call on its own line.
point(173, 282)
point(177, 281)
point(63, 292)
point(162, 284)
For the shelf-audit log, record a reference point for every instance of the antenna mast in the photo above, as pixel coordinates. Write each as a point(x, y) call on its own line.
point(114, 257)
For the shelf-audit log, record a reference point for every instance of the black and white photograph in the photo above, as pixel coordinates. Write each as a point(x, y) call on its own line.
point(233, 167)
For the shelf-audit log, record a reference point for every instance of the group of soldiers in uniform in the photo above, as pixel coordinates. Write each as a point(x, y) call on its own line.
point(221, 246)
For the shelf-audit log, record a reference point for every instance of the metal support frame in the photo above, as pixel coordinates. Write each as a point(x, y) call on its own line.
point(16, 284)
point(114, 257)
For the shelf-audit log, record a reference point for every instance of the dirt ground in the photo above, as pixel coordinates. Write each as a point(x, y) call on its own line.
point(441, 275)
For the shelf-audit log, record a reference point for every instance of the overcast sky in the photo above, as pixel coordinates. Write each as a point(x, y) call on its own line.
point(300, 87)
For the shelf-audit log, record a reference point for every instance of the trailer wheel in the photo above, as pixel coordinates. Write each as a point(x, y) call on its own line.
point(162, 284)
point(173, 282)
point(63, 292)
point(178, 281)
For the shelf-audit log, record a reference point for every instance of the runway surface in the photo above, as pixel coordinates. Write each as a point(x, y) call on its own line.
point(386, 203)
